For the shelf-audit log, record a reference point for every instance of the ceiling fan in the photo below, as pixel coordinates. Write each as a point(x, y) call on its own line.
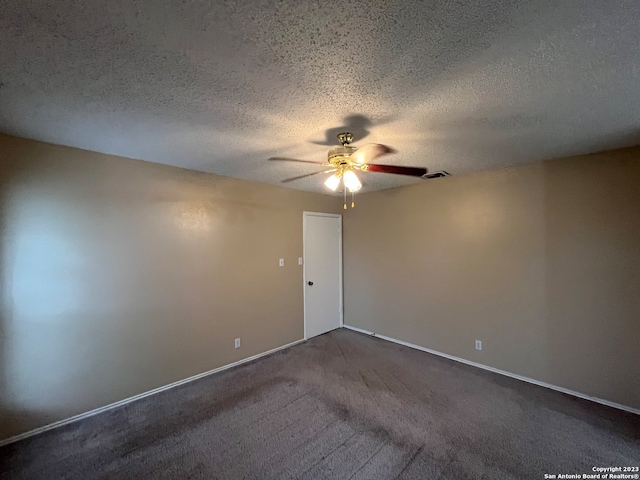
point(344, 160)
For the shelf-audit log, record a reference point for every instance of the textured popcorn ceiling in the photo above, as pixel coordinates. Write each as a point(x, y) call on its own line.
point(220, 86)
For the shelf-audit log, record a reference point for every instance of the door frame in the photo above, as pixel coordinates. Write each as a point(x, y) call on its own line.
point(305, 215)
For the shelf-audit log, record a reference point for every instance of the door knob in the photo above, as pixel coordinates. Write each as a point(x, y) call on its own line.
point(310, 283)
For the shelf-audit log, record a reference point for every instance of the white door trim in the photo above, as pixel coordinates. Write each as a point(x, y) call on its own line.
point(306, 214)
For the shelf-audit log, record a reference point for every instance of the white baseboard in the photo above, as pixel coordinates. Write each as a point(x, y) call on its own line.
point(90, 413)
point(501, 372)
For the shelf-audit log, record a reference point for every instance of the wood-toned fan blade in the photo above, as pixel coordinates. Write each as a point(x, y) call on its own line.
point(370, 152)
point(293, 179)
point(285, 159)
point(396, 169)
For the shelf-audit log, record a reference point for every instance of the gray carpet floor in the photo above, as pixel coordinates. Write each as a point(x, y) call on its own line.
point(342, 405)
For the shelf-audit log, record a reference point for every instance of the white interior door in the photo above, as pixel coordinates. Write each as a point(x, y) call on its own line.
point(322, 273)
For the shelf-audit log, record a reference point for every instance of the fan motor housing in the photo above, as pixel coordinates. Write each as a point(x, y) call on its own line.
point(340, 155)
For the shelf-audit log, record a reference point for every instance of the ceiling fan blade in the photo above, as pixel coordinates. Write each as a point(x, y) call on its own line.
point(396, 170)
point(370, 152)
point(293, 179)
point(285, 159)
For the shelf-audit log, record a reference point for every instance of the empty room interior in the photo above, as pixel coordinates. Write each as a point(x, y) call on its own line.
point(350, 240)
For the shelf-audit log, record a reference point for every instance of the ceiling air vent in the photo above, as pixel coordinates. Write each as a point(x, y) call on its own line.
point(439, 174)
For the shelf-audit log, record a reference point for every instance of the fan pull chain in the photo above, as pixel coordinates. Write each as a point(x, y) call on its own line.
point(353, 201)
point(345, 198)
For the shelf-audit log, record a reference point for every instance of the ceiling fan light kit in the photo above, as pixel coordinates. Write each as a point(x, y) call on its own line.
point(351, 181)
point(344, 160)
point(333, 181)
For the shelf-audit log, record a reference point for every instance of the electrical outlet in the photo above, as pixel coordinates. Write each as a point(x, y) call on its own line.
point(299, 260)
point(237, 343)
point(281, 262)
point(478, 344)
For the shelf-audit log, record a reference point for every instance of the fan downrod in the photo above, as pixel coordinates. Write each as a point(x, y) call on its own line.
point(345, 138)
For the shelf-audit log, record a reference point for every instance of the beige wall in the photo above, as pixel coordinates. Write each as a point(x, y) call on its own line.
point(119, 276)
point(540, 262)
